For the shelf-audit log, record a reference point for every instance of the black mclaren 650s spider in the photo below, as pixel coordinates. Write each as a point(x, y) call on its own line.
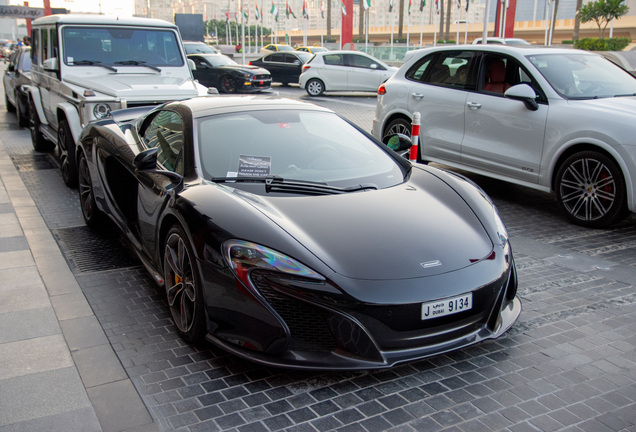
point(290, 237)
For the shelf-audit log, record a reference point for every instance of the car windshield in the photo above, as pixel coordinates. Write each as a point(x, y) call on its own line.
point(198, 48)
point(285, 48)
point(584, 76)
point(120, 46)
point(220, 60)
point(307, 146)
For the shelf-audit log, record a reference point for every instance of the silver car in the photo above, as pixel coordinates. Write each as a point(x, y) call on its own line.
point(557, 120)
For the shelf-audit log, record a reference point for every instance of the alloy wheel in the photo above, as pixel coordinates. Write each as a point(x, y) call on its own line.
point(180, 283)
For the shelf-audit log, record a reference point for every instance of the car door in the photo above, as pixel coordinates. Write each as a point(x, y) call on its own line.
point(334, 71)
point(275, 64)
point(439, 94)
point(203, 72)
point(364, 73)
point(502, 135)
point(10, 79)
point(165, 132)
point(293, 66)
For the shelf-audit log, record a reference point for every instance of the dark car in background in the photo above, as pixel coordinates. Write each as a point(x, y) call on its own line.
point(285, 67)
point(17, 77)
point(217, 70)
point(198, 48)
point(265, 220)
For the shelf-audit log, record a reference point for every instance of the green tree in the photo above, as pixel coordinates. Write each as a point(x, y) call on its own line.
point(602, 12)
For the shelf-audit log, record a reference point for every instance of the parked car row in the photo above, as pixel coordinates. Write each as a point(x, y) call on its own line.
point(16, 79)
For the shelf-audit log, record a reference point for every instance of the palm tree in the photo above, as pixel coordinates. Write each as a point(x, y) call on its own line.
point(577, 20)
point(448, 20)
point(361, 21)
point(329, 19)
point(441, 19)
point(401, 21)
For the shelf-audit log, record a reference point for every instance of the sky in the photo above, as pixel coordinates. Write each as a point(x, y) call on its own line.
point(122, 8)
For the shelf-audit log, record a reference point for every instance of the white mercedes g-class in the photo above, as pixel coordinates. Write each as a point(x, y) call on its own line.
point(84, 67)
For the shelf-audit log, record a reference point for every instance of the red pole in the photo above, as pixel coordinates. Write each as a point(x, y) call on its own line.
point(415, 136)
point(28, 21)
point(347, 23)
point(47, 7)
point(509, 31)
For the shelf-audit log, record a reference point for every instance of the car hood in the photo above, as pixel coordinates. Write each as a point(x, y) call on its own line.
point(624, 105)
point(254, 69)
point(147, 86)
point(416, 229)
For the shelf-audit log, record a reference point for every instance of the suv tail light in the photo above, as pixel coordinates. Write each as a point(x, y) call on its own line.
point(305, 67)
point(249, 63)
point(382, 89)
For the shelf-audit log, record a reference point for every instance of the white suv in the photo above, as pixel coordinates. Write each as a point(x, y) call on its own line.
point(343, 71)
point(557, 120)
point(84, 67)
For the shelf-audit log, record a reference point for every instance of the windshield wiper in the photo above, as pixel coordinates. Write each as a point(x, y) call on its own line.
point(277, 183)
point(625, 95)
point(137, 63)
point(92, 63)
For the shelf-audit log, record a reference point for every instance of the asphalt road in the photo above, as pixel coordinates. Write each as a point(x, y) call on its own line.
point(568, 364)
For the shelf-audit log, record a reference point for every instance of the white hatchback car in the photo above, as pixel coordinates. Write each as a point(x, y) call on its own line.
point(343, 71)
point(558, 120)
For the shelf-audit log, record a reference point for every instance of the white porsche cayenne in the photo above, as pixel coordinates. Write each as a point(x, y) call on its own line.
point(557, 120)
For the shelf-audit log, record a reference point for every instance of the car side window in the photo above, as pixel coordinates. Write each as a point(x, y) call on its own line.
point(45, 44)
point(499, 73)
point(333, 59)
point(200, 63)
point(280, 58)
point(450, 69)
point(290, 58)
point(359, 61)
point(25, 63)
point(53, 38)
point(35, 45)
point(166, 133)
point(416, 72)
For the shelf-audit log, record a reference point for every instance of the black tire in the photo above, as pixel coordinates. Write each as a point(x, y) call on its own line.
point(399, 125)
point(66, 154)
point(9, 105)
point(590, 190)
point(92, 215)
point(23, 121)
point(315, 87)
point(40, 143)
point(228, 84)
point(183, 287)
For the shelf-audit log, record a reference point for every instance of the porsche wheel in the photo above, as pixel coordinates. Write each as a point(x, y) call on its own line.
point(399, 125)
point(228, 85)
point(590, 190)
point(92, 215)
point(315, 87)
point(66, 153)
point(40, 143)
point(183, 289)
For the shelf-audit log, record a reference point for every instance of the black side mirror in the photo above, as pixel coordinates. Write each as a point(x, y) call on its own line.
point(525, 94)
point(146, 160)
point(11, 68)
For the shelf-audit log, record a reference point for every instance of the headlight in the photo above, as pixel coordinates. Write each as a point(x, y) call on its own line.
point(243, 256)
point(101, 111)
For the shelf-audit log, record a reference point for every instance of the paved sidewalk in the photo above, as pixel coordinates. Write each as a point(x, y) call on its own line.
point(58, 371)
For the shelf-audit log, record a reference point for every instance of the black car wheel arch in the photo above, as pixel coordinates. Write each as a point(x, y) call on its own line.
point(40, 143)
point(66, 154)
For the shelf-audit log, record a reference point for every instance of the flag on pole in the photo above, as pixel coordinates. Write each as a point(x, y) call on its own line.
point(305, 14)
point(467, 1)
point(246, 14)
point(410, 1)
point(227, 17)
point(322, 9)
point(236, 17)
point(422, 4)
point(344, 9)
point(459, 4)
point(257, 14)
point(437, 6)
point(274, 11)
point(289, 11)
point(390, 6)
point(366, 4)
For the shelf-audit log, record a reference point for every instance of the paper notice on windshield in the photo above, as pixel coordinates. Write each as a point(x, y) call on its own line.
point(254, 166)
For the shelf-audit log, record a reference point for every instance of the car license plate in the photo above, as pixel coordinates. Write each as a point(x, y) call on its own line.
point(449, 306)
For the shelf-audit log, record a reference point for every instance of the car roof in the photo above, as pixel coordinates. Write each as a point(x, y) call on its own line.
point(209, 105)
point(521, 50)
point(101, 20)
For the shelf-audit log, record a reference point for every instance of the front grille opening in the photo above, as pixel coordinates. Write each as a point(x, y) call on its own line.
point(308, 330)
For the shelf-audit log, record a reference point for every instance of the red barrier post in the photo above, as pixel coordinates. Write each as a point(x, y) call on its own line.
point(415, 136)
